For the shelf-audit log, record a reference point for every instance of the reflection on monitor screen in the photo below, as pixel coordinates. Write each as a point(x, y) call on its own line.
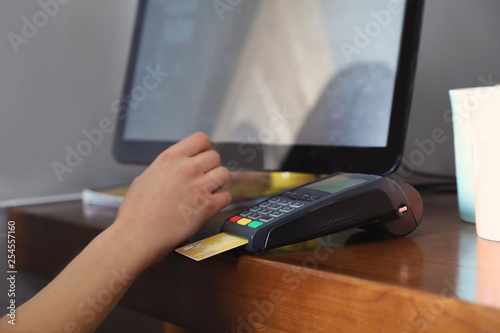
point(277, 73)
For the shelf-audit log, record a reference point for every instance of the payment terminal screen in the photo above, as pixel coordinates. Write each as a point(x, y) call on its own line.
point(336, 184)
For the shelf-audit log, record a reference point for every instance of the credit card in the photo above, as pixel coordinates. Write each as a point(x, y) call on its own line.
point(211, 246)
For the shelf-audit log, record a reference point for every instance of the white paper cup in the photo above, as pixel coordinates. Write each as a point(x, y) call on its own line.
point(485, 120)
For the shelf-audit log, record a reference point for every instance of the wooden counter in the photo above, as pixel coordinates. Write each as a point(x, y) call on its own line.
point(440, 278)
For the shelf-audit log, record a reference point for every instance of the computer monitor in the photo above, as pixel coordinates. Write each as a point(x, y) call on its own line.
point(315, 86)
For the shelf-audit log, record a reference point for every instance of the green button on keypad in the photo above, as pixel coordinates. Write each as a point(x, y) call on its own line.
point(255, 224)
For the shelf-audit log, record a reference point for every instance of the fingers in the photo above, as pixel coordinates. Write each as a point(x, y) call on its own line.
point(216, 179)
point(193, 145)
point(206, 198)
point(202, 162)
point(221, 199)
point(197, 147)
point(206, 160)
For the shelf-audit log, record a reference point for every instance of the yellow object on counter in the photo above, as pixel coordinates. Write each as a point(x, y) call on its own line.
point(281, 181)
point(248, 184)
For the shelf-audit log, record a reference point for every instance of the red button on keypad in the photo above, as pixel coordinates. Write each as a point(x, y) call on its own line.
point(235, 218)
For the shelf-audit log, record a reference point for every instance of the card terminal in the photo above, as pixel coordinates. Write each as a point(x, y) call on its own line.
point(329, 205)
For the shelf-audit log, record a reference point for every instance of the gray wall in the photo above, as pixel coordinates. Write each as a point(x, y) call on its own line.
point(460, 47)
point(61, 82)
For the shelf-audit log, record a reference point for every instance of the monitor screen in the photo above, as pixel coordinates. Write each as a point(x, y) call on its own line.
point(307, 85)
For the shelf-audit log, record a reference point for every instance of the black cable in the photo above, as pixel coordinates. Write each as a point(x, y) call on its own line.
point(436, 187)
point(447, 183)
point(427, 174)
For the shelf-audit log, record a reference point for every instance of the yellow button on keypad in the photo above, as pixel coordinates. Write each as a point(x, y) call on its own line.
point(244, 221)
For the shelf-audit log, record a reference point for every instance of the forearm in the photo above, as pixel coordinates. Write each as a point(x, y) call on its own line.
point(84, 293)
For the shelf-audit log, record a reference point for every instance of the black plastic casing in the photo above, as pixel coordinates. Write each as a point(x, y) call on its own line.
point(382, 206)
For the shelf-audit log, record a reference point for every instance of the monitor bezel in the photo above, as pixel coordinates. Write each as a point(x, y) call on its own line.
point(301, 158)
